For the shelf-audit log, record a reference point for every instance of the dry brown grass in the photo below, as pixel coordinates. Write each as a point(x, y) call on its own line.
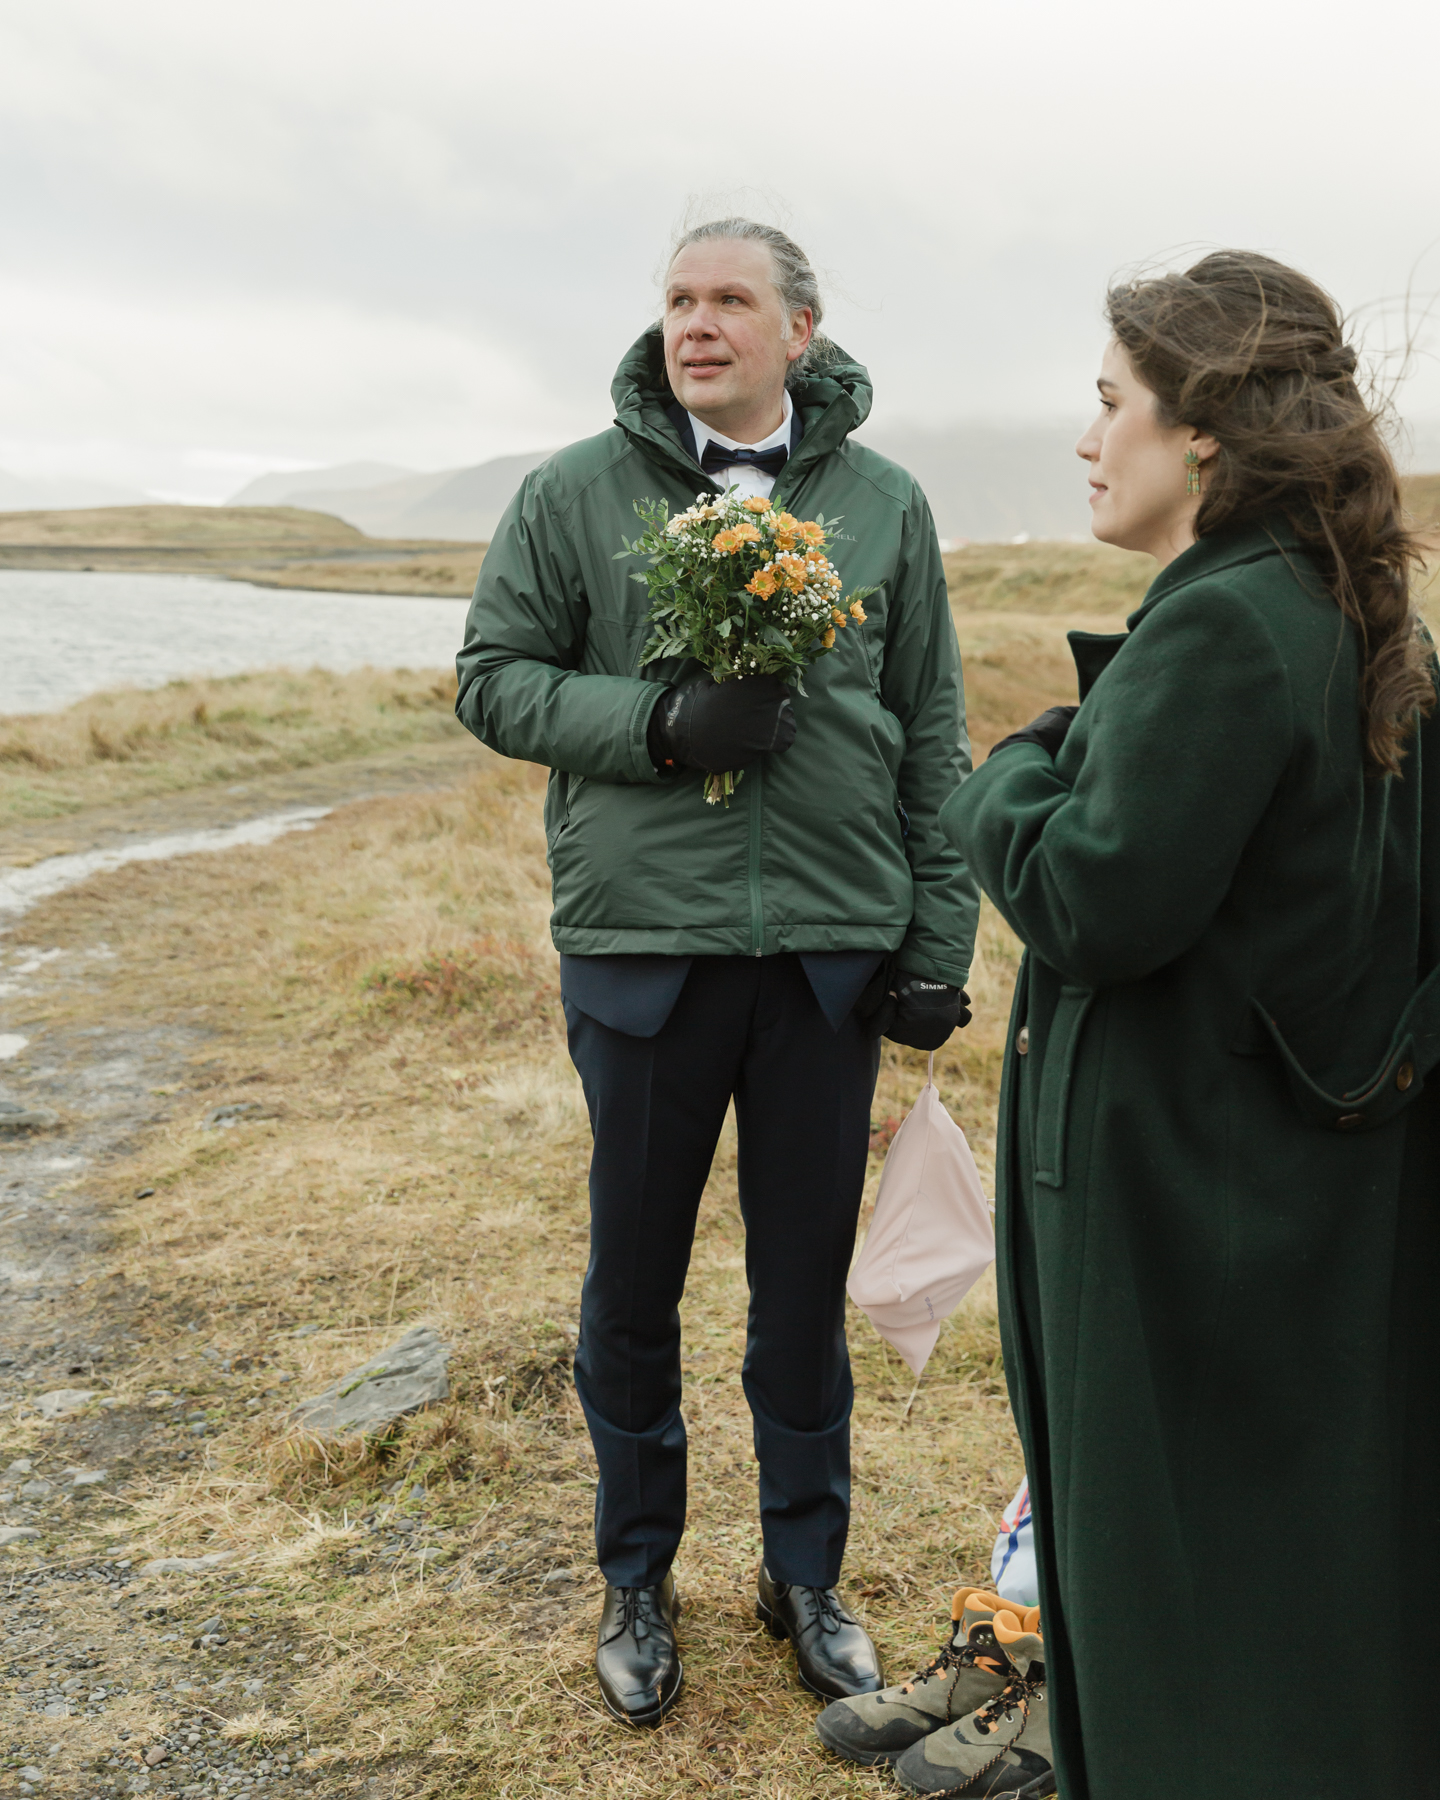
point(135, 743)
point(386, 987)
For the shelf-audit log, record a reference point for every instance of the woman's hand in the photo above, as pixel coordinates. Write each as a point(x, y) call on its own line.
point(1048, 731)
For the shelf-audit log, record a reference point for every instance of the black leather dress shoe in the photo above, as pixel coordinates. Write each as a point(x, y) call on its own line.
point(635, 1655)
point(833, 1652)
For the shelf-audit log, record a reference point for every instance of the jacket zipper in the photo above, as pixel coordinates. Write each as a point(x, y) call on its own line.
point(757, 906)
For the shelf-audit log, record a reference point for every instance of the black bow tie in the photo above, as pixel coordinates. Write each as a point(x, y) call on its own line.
point(720, 456)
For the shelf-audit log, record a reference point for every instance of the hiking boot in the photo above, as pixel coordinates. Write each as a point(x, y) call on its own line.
point(876, 1728)
point(1003, 1747)
point(635, 1656)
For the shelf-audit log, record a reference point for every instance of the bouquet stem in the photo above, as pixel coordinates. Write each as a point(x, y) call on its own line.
point(721, 787)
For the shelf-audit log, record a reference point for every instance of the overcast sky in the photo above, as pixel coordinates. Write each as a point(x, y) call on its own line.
point(299, 232)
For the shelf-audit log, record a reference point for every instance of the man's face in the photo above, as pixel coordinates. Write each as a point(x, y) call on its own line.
point(728, 337)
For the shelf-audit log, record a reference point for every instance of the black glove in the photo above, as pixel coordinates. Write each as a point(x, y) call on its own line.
point(911, 1009)
point(719, 725)
point(1048, 731)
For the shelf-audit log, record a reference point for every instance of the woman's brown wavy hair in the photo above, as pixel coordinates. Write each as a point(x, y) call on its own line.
point(1253, 353)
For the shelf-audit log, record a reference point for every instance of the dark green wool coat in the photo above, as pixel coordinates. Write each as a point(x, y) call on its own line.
point(1219, 1198)
point(834, 845)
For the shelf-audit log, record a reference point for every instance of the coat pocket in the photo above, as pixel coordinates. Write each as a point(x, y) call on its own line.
point(1052, 1108)
point(1413, 1052)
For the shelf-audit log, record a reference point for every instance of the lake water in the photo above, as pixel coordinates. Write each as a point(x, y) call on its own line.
point(66, 634)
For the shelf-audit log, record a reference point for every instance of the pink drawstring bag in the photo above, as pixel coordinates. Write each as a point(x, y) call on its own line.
point(931, 1238)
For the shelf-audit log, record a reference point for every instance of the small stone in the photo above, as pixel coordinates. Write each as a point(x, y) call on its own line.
point(402, 1379)
point(223, 1117)
point(143, 1193)
point(57, 1709)
point(187, 1565)
point(88, 1478)
point(37, 1490)
point(13, 1534)
point(31, 1773)
point(155, 1755)
point(21, 1466)
point(62, 1400)
point(27, 1118)
point(211, 1625)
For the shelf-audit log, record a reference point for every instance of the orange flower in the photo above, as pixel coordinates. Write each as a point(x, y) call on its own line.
point(746, 534)
point(812, 534)
point(829, 638)
point(839, 617)
point(757, 504)
point(726, 541)
point(792, 570)
point(762, 585)
point(857, 611)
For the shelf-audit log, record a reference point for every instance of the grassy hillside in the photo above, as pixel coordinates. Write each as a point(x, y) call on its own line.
point(274, 546)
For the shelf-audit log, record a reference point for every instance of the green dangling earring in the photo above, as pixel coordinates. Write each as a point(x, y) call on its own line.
point(1192, 473)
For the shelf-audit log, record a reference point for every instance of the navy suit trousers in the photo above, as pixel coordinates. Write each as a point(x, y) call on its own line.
point(751, 1028)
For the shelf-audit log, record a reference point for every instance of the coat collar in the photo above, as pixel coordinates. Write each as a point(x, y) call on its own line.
point(831, 405)
point(1224, 549)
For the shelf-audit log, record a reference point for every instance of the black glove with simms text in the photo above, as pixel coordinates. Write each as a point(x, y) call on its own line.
point(719, 725)
point(911, 1009)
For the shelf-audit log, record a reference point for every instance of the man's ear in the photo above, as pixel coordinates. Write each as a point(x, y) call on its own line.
point(802, 329)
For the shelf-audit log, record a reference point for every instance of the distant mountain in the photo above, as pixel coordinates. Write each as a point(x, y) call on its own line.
point(990, 483)
point(281, 489)
point(60, 493)
point(452, 503)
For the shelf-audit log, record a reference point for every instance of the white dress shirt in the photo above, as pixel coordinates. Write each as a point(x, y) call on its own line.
point(744, 476)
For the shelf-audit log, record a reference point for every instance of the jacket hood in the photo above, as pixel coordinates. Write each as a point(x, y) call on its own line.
point(833, 401)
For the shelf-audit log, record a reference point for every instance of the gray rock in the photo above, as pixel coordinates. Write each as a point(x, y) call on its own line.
point(26, 1118)
point(31, 1773)
point(210, 1625)
point(62, 1400)
point(88, 1478)
point(37, 1490)
point(22, 1465)
point(402, 1379)
point(14, 1534)
point(187, 1565)
point(223, 1117)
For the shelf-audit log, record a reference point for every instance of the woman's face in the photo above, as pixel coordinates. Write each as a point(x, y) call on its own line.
point(1137, 466)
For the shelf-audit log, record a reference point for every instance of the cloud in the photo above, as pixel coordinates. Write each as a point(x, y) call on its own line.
point(426, 233)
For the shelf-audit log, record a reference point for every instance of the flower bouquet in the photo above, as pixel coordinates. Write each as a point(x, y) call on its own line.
point(743, 589)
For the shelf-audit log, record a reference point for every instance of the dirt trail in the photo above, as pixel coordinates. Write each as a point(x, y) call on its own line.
point(106, 1686)
point(326, 784)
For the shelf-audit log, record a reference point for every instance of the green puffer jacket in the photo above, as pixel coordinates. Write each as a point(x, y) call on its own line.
point(833, 845)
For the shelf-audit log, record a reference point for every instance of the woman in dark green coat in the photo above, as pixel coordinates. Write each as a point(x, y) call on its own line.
point(1219, 1175)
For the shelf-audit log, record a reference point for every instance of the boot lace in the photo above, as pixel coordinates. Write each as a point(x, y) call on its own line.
point(1018, 1691)
point(952, 1656)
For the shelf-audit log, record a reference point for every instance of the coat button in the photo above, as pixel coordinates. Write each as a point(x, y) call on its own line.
point(1348, 1121)
point(1022, 1040)
point(1404, 1075)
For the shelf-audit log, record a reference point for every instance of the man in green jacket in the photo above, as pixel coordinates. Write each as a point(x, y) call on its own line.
point(755, 953)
